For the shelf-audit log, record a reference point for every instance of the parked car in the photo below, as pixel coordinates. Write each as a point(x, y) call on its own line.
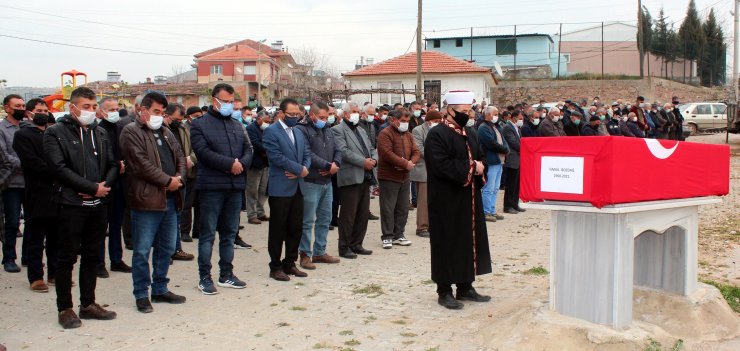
point(699, 116)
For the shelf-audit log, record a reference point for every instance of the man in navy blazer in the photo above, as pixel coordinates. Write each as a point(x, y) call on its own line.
point(289, 156)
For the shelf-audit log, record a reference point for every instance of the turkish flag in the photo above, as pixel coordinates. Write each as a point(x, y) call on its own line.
point(612, 170)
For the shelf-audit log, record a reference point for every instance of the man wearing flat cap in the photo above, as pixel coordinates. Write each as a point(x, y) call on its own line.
point(457, 227)
point(592, 127)
point(573, 128)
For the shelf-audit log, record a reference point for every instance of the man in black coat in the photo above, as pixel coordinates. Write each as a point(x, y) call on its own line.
point(573, 127)
point(40, 213)
point(458, 239)
point(257, 172)
point(592, 128)
point(512, 135)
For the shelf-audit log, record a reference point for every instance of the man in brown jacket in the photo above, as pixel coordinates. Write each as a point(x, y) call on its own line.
point(155, 161)
point(397, 155)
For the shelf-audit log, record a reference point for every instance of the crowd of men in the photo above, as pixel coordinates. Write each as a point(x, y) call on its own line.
point(159, 174)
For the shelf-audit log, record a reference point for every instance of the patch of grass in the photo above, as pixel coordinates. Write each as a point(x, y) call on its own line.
point(297, 308)
point(283, 324)
point(432, 349)
point(313, 293)
point(539, 270)
point(729, 292)
point(321, 345)
point(258, 335)
point(352, 342)
point(347, 349)
point(427, 282)
point(653, 346)
point(678, 346)
point(283, 300)
point(408, 342)
point(372, 290)
point(346, 332)
point(409, 335)
point(299, 284)
point(370, 319)
point(273, 304)
point(399, 322)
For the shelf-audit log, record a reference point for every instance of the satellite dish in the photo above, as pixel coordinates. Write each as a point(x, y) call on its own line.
point(498, 68)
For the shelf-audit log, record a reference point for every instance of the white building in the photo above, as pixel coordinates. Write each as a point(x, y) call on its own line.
point(440, 73)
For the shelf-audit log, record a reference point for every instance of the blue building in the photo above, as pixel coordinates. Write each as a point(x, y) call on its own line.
point(526, 55)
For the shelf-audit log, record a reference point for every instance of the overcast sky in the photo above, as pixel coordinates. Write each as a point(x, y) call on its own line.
point(344, 30)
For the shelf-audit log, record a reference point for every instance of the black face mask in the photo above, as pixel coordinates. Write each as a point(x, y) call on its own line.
point(40, 119)
point(19, 114)
point(460, 118)
point(175, 124)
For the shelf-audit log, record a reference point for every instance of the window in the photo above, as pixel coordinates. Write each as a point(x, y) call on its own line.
point(505, 47)
point(389, 99)
point(217, 69)
point(704, 109)
point(719, 109)
point(436, 43)
point(458, 43)
point(250, 70)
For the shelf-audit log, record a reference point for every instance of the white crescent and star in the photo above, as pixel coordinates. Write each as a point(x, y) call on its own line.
point(658, 150)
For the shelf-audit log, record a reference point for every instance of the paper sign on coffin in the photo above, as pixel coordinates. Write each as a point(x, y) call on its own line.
point(611, 170)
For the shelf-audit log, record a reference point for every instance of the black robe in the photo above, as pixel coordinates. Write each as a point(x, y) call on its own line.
point(458, 253)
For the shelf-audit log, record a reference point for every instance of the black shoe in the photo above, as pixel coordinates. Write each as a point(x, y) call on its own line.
point(362, 251)
point(241, 227)
point(449, 302)
point(169, 297)
point(129, 247)
point(472, 295)
point(144, 306)
point(331, 227)
point(334, 224)
point(511, 211)
point(102, 272)
point(373, 217)
point(120, 267)
point(348, 254)
point(240, 244)
point(423, 234)
point(519, 209)
point(195, 235)
point(186, 238)
point(11, 267)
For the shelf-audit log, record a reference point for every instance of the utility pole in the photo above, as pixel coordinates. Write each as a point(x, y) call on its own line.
point(419, 87)
point(560, 43)
point(640, 36)
point(257, 66)
point(735, 58)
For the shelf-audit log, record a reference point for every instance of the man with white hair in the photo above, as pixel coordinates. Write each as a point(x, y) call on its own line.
point(495, 148)
point(458, 236)
point(551, 125)
point(367, 116)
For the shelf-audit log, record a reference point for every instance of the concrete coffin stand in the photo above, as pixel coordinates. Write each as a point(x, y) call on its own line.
point(598, 255)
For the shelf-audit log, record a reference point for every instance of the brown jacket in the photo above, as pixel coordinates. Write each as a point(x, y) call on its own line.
point(147, 183)
point(187, 148)
point(395, 149)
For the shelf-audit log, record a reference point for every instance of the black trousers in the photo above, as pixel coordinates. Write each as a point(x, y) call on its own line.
point(41, 232)
point(511, 194)
point(447, 288)
point(334, 200)
point(286, 226)
point(353, 215)
point(81, 232)
point(190, 210)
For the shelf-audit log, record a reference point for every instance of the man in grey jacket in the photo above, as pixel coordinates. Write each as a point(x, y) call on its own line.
point(512, 135)
point(419, 173)
point(551, 125)
point(354, 178)
point(13, 196)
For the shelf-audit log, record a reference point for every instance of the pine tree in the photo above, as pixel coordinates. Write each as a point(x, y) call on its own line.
point(659, 46)
point(692, 35)
point(647, 34)
point(712, 59)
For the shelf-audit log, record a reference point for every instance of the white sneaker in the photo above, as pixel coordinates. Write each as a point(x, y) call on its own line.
point(387, 244)
point(402, 241)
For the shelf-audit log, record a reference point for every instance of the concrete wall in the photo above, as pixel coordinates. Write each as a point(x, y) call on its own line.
point(653, 89)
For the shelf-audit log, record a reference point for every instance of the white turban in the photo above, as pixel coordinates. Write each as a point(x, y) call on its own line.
point(459, 97)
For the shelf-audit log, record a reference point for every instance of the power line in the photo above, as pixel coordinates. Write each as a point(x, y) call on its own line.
point(95, 48)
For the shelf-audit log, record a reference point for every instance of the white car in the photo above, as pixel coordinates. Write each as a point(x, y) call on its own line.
point(700, 116)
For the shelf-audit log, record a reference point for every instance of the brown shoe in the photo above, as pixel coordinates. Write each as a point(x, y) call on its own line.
point(325, 258)
point(264, 218)
point(306, 262)
point(95, 311)
point(278, 274)
point(182, 256)
point(39, 286)
point(295, 271)
point(254, 221)
point(68, 319)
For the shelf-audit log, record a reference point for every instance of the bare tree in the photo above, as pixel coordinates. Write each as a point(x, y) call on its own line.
point(178, 73)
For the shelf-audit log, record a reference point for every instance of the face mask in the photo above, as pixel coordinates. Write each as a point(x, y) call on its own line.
point(112, 117)
point(19, 114)
point(86, 117)
point(536, 121)
point(237, 115)
point(555, 118)
point(470, 123)
point(577, 122)
point(602, 117)
point(417, 113)
point(354, 118)
point(155, 122)
point(403, 127)
point(264, 126)
point(290, 121)
point(494, 120)
point(459, 117)
point(175, 124)
point(331, 119)
point(40, 119)
point(248, 119)
point(634, 119)
point(320, 124)
point(226, 109)
point(371, 117)
point(519, 123)
point(383, 117)
point(433, 125)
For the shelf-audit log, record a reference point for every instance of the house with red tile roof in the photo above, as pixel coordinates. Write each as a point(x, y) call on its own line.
point(440, 73)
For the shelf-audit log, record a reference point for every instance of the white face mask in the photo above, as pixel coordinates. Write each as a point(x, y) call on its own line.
point(86, 118)
point(417, 113)
point(264, 126)
point(634, 119)
point(433, 125)
point(383, 117)
point(624, 119)
point(536, 121)
point(155, 122)
point(330, 120)
point(354, 118)
point(555, 118)
point(403, 127)
point(520, 123)
point(248, 119)
point(470, 123)
point(113, 117)
point(495, 119)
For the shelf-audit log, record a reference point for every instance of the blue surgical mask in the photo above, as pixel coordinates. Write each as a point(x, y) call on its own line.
point(290, 121)
point(226, 109)
point(237, 115)
point(320, 124)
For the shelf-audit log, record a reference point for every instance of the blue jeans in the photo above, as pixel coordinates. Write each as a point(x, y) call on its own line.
point(12, 202)
point(317, 199)
point(116, 207)
point(490, 190)
point(219, 210)
point(153, 230)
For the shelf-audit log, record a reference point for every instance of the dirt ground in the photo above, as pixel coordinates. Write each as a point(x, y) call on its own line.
point(381, 302)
